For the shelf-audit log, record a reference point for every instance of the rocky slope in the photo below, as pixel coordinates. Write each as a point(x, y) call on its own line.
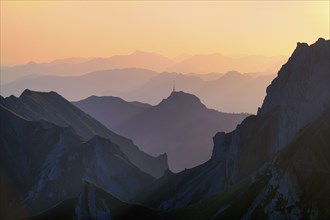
point(293, 185)
point(93, 202)
point(299, 95)
point(54, 108)
point(43, 164)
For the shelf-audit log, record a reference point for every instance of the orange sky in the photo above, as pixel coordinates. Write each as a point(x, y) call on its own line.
point(46, 30)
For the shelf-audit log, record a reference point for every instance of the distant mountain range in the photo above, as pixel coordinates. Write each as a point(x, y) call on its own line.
point(66, 67)
point(230, 92)
point(209, 63)
point(200, 64)
point(114, 81)
point(148, 77)
point(178, 126)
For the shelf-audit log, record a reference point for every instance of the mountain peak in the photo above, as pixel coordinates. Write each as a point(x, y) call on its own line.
point(233, 72)
point(139, 52)
point(321, 41)
point(300, 92)
point(179, 95)
point(26, 92)
point(31, 93)
point(301, 77)
point(144, 53)
point(182, 99)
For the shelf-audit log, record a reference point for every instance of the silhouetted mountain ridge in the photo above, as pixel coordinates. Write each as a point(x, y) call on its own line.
point(181, 101)
point(109, 110)
point(54, 108)
point(274, 165)
point(235, 92)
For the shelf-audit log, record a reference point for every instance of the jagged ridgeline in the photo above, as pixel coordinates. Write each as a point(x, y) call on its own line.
point(275, 164)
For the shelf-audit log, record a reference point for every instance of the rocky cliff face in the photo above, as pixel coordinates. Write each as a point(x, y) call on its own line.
point(299, 178)
point(299, 95)
point(300, 92)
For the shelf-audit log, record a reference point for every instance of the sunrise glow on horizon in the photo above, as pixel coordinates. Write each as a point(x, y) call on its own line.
point(44, 31)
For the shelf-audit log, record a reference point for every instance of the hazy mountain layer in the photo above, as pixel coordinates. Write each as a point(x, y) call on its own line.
point(236, 92)
point(219, 63)
point(114, 82)
point(230, 92)
point(111, 111)
point(65, 67)
point(201, 64)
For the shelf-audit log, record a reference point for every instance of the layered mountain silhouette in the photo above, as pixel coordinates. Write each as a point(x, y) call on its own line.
point(154, 90)
point(43, 164)
point(200, 64)
point(236, 92)
point(230, 92)
point(274, 165)
point(180, 125)
point(115, 82)
point(209, 63)
point(66, 67)
point(54, 108)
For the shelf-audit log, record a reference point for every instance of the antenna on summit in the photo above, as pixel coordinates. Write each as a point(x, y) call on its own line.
point(173, 85)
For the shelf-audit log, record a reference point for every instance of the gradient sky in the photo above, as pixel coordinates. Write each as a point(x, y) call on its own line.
point(46, 30)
